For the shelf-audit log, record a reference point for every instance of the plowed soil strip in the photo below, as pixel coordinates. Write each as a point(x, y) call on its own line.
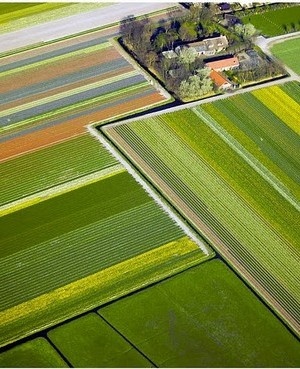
point(60, 68)
point(67, 87)
point(22, 56)
point(48, 55)
point(51, 135)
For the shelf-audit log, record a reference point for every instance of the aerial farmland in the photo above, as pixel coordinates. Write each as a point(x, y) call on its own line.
point(138, 230)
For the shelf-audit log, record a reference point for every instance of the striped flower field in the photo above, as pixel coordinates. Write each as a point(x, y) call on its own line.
point(52, 92)
point(77, 230)
point(220, 165)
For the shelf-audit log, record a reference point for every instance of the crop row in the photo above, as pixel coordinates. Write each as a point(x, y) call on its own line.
point(69, 211)
point(98, 245)
point(99, 288)
point(281, 104)
point(37, 171)
point(232, 200)
point(263, 134)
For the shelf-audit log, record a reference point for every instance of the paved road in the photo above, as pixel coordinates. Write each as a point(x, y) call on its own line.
point(76, 23)
point(266, 43)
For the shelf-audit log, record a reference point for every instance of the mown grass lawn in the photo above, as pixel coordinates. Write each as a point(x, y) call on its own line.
point(37, 353)
point(89, 342)
point(276, 22)
point(203, 317)
point(287, 52)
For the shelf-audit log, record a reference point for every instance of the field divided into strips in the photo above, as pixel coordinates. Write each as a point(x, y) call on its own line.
point(275, 22)
point(287, 52)
point(228, 200)
point(15, 16)
point(89, 342)
point(40, 170)
point(52, 92)
point(105, 227)
point(203, 317)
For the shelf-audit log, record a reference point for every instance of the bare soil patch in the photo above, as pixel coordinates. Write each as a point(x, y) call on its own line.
point(51, 135)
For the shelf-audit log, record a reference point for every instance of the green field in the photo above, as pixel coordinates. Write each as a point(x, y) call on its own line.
point(48, 167)
point(231, 199)
point(13, 11)
point(89, 342)
point(204, 317)
point(14, 16)
point(37, 353)
point(109, 238)
point(287, 52)
point(254, 126)
point(82, 222)
point(275, 22)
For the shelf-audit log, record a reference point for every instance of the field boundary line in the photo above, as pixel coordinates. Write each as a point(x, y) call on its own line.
point(249, 158)
point(60, 189)
point(156, 197)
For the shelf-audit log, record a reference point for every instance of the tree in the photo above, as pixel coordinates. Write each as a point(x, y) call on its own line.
point(151, 59)
point(172, 36)
point(187, 55)
point(195, 86)
point(188, 31)
point(127, 28)
point(161, 41)
point(245, 31)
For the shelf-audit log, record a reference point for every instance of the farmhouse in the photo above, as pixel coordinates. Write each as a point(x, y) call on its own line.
point(223, 64)
point(210, 46)
point(219, 80)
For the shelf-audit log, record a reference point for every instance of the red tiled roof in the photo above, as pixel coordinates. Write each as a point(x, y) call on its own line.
point(224, 63)
point(218, 79)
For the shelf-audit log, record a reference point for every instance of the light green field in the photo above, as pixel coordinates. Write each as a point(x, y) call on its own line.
point(15, 16)
point(276, 22)
point(203, 317)
point(89, 342)
point(230, 199)
point(287, 52)
point(40, 170)
point(37, 353)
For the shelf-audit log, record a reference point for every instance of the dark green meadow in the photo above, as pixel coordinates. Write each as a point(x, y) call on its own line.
point(90, 342)
point(37, 353)
point(203, 317)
